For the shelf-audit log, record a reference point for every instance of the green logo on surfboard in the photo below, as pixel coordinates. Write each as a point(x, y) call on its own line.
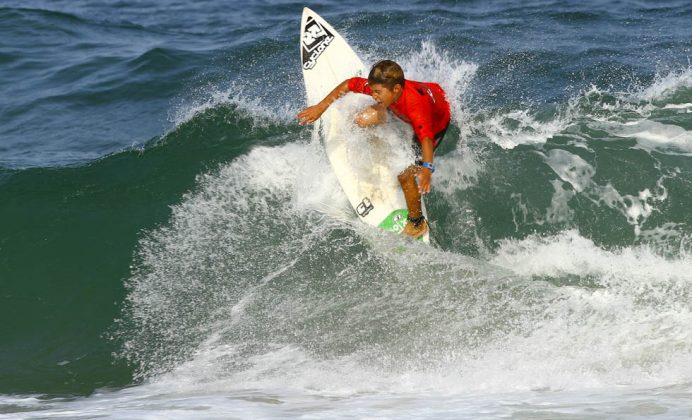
point(395, 222)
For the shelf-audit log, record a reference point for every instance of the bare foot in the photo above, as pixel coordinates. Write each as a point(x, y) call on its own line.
point(415, 231)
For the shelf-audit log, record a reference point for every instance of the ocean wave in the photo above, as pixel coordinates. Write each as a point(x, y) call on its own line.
point(620, 114)
point(559, 215)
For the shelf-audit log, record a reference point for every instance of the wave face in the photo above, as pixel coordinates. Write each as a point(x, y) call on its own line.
point(171, 239)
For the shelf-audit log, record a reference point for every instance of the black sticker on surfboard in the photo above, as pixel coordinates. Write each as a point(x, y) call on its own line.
point(364, 207)
point(316, 38)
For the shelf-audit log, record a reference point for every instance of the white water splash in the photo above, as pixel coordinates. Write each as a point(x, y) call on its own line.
point(666, 85)
point(574, 170)
point(602, 325)
point(510, 129)
point(626, 313)
point(210, 97)
point(622, 114)
point(653, 136)
point(455, 76)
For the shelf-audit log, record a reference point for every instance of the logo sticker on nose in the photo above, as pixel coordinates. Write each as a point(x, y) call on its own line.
point(316, 39)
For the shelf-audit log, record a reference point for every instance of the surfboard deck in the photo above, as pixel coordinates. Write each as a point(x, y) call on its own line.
point(360, 161)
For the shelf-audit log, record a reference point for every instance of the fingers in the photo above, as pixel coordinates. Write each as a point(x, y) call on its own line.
point(423, 186)
point(307, 116)
point(423, 179)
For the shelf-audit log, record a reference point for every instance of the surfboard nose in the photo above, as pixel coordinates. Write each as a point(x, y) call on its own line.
point(307, 11)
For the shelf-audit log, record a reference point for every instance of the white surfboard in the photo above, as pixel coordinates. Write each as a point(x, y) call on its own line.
point(363, 169)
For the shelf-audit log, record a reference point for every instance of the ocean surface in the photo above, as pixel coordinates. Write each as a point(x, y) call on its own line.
point(174, 245)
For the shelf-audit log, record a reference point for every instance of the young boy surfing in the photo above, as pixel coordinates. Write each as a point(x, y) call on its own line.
point(422, 105)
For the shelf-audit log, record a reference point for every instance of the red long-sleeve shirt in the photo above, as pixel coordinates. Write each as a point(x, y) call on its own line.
point(421, 104)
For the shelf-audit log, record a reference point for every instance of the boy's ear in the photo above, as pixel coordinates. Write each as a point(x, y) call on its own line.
point(397, 88)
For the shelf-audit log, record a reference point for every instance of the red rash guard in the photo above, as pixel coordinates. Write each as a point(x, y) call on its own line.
point(421, 104)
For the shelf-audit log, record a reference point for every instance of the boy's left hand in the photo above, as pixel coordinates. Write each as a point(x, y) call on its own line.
point(424, 180)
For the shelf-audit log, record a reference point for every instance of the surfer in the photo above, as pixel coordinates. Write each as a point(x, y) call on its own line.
point(422, 105)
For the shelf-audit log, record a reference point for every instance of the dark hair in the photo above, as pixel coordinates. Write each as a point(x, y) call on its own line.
point(387, 73)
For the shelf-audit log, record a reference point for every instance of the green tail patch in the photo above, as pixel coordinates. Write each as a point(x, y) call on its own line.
point(395, 222)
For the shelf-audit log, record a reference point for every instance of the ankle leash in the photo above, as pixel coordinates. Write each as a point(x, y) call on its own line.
point(416, 221)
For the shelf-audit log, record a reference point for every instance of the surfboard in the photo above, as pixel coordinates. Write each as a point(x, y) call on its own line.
point(367, 176)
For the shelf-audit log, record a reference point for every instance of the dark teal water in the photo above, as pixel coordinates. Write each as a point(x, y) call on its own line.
point(141, 141)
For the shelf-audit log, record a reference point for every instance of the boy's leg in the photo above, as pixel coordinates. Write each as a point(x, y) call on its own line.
point(416, 225)
point(371, 115)
point(407, 180)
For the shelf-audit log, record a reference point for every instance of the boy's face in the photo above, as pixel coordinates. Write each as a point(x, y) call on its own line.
point(384, 96)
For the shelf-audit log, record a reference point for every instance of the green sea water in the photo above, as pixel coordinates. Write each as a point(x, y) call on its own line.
point(68, 240)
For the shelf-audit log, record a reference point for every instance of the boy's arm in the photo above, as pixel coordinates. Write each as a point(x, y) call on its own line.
point(313, 113)
point(427, 148)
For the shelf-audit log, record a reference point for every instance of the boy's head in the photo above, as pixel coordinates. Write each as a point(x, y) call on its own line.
point(387, 73)
point(386, 80)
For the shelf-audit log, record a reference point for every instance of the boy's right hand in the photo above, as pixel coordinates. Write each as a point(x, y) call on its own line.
point(311, 114)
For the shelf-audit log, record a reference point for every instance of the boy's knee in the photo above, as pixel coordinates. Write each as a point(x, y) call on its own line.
point(368, 117)
point(362, 120)
point(407, 174)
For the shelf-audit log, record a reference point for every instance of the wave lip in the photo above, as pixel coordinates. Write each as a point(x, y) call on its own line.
point(651, 115)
